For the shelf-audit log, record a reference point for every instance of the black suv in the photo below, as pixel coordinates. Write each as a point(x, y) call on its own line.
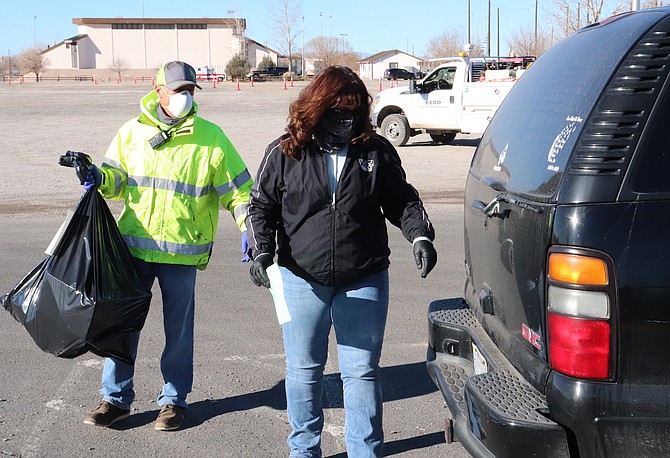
point(560, 344)
point(267, 72)
point(398, 74)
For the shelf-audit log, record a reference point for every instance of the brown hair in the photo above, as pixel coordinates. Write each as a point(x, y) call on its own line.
point(329, 87)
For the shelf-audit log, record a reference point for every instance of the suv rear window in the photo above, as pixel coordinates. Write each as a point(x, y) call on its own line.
point(521, 151)
point(650, 173)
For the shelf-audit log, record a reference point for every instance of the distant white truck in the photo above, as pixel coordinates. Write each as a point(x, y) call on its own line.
point(458, 96)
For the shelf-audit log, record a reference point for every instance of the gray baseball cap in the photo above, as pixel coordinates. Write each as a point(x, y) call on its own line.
point(176, 74)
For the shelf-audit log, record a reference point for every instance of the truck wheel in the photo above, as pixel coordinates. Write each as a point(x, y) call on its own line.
point(221, 79)
point(443, 138)
point(395, 129)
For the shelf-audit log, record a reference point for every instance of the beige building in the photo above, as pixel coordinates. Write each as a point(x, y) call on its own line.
point(142, 45)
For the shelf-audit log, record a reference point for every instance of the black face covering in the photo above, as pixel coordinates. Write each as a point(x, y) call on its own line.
point(335, 129)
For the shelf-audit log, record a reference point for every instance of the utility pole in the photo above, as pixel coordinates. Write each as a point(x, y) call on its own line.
point(469, 23)
point(488, 35)
point(535, 40)
point(34, 34)
point(302, 59)
point(498, 31)
point(144, 36)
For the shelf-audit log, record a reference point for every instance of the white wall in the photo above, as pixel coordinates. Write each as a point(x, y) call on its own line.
point(375, 69)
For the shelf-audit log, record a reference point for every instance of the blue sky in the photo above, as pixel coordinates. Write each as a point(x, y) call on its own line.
point(368, 25)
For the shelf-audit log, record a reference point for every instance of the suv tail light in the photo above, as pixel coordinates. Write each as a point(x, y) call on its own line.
point(579, 318)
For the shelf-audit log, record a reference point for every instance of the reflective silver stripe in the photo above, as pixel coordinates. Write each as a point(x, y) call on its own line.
point(238, 181)
point(241, 210)
point(119, 174)
point(169, 185)
point(167, 247)
point(115, 165)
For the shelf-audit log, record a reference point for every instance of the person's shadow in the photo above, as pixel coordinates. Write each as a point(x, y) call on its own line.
point(399, 382)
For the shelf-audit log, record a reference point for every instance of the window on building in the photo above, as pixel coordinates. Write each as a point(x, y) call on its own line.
point(159, 26)
point(191, 26)
point(393, 64)
point(126, 26)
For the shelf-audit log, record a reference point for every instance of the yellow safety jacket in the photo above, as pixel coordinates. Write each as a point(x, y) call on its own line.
point(172, 192)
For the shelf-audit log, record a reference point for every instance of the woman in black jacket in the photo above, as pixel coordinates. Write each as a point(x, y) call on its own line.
point(320, 201)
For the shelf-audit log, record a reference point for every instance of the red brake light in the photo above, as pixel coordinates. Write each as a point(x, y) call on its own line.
point(578, 347)
point(579, 313)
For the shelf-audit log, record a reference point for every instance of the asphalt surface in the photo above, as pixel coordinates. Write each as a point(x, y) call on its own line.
point(237, 407)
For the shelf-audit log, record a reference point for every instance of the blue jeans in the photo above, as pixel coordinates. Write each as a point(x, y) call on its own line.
point(357, 312)
point(177, 284)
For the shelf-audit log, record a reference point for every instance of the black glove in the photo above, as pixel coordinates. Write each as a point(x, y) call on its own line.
point(425, 256)
point(258, 270)
point(80, 161)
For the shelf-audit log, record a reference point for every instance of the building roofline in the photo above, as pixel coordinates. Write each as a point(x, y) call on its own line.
point(124, 20)
point(383, 54)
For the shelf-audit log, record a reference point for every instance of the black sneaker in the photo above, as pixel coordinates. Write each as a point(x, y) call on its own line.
point(169, 418)
point(106, 415)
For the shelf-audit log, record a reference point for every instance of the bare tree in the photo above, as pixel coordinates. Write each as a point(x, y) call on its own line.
point(569, 16)
point(346, 55)
point(324, 52)
point(447, 43)
point(7, 64)
point(32, 61)
point(522, 42)
point(286, 18)
point(118, 66)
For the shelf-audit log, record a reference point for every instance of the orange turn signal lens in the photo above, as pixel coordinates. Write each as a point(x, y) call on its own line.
point(581, 270)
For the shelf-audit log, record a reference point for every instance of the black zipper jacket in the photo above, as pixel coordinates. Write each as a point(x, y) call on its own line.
point(333, 243)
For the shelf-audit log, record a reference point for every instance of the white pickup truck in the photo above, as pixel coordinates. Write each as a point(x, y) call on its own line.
point(458, 96)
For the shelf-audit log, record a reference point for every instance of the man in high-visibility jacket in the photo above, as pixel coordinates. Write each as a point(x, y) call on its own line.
point(172, 168)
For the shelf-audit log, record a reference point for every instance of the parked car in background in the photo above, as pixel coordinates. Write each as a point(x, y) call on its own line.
point(559, 347)
point(266, 72)
point(398, 74)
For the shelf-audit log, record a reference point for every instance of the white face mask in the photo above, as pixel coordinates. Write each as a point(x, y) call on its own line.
point(180, 104)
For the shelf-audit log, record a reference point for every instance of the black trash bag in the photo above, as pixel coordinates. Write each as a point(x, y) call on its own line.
point(86, 296)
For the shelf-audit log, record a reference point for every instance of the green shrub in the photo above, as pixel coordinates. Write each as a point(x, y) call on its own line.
point(237, 67)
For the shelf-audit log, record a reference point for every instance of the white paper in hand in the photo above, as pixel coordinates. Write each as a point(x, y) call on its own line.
point(277, 290)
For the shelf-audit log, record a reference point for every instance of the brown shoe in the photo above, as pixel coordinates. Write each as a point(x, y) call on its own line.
point(169, 418)
point(106, 415)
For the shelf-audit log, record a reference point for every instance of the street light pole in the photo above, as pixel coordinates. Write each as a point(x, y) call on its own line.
point(342, 41)
point(34, 34)
point(302, 59)
point(469, 22)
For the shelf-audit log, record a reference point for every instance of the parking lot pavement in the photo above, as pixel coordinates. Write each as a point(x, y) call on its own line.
point(237, 405)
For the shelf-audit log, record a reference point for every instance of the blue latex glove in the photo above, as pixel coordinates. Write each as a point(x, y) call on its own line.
point(245, 247)
point(93, 179)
